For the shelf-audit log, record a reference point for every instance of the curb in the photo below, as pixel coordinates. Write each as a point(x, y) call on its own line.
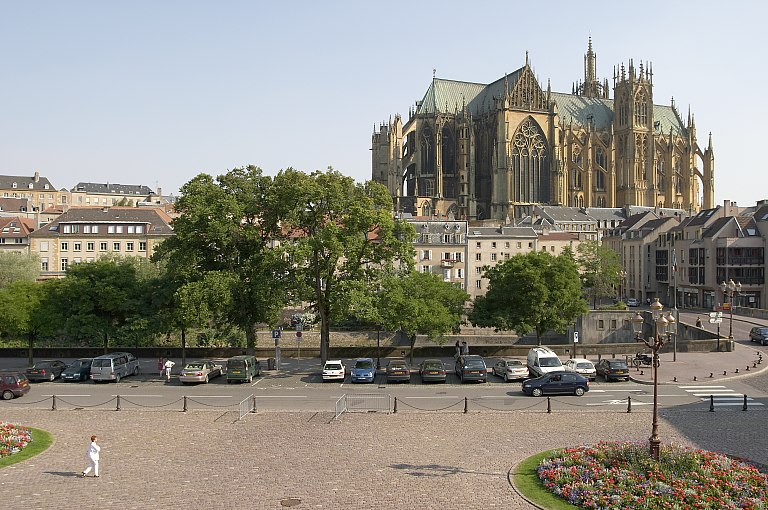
point(718, 378)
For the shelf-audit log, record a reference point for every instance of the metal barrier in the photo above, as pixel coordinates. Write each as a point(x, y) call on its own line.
point(341, 406)
point(369, 402)
point(247, 405)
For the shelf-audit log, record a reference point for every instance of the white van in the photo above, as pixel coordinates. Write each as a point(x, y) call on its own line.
point(542, 360)
point(114, 366)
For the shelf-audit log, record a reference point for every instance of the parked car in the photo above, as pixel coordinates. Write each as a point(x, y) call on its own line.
point(510, 369)
point(631, 302)
point(364, 371)
point(557, 382)
point(542, 360)
point(471, 367)
point(581, 366)
point(612, 369)
point(398, 371)
point(13, 384)
point(46, 370)
point(243, 368)
point(759, 335)
point(333, 370)
point(200, 371)
point(114, 366)
point(78, 370)
point(432, 370)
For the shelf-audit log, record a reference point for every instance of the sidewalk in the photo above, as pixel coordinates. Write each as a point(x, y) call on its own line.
point(700, 367)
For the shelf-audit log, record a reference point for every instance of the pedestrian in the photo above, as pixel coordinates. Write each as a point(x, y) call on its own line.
point(93, 458)
point(464, 347)
point(168, 366)
point(458, 349)
point(698, 322)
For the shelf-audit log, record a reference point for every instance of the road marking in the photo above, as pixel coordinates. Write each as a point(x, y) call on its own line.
point(736, 404)
point(281, 396)
point(442, 396)
point(257, 382)
point(700, 387)
point(716, 395)
point(61, 395)
point(209, 396)
point(133, 395)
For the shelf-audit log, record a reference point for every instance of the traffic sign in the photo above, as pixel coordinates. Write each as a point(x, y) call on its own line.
point(716, 315)
point(275, 333)
point(298, 334)
point(717, 320)
point(575, 337)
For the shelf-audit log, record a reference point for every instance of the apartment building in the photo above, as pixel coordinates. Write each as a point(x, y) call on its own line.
point(38, 190)
point(84, 234)
point(441, 248)
point(14, 233)
point(107, 194)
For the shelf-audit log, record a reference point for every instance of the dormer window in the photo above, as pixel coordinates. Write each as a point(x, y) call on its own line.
point(31, 185)
point(45, 186)
point(14, 185)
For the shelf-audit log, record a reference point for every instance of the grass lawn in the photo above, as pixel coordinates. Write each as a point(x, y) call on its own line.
point(41, 440)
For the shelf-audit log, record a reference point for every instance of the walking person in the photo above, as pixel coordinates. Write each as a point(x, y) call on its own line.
point(458, 349)
point(698, 322)
point(168, 366)
point(464, 347)
point(93, 458)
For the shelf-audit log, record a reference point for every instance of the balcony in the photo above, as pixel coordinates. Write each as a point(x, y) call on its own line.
point(447, 263)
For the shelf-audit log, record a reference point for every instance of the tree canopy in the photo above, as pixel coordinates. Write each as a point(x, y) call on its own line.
point(16, 266)
point(531, 292)
point(601, 270)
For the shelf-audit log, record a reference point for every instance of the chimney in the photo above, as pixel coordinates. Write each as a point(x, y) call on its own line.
point(37, 176)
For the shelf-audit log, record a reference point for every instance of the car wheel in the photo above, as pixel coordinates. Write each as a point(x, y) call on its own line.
point(205, 380)
point(506, 378)
point(117, 378)
point(7, 395)
point(136, 370)
point(537, 392)
point(250, 378)
point(579, 391)
point(52, 377)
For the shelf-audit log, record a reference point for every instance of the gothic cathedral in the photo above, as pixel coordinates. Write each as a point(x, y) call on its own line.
point(476, 151)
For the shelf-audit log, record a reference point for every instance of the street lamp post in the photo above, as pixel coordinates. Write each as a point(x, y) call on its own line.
point(660, 337)
point(730, 289)
point(378, 347)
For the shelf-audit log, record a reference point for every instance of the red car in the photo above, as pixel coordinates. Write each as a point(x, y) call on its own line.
point(13, 384)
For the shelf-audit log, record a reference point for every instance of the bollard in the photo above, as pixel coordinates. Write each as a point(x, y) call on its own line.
point(747, 368)
point(53, 404)
point(254, 404)
point(745, 403)
point(395, 409)
point(642, 372)
point(466, 405)
point(754, 365)
point(724, 372)
point(711, 403)
point(694, 377)
point(118, 403)
point(629, 403)
point(737, 370)
point(711, 375)
point(185, 405)
point(549, 406)
point(674, 379)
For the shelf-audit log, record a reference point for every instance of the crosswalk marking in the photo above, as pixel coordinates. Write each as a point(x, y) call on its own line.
point(719, 396)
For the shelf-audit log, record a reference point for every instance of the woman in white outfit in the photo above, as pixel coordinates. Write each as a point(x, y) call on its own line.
point(168, 366)
point(93, 458)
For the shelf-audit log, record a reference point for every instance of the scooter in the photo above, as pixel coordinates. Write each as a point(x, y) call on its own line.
point(642, 359)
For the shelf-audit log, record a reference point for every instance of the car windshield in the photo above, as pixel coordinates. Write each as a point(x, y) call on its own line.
point(236, 363)
point(515, 363)
point(397, 365)
point(762, 331)
point(617, 364)
point(332, 366)
point(435, 365)
point(585, 366)
point(100, 363)
point(364, 364)
point(549, 362)
point(474, 363)
point(194, 366)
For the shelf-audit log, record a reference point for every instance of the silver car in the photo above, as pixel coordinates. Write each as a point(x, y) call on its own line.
point(200, 371)
point(510, 369)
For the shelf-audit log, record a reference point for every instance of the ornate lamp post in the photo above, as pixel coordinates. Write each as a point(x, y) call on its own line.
point(660, 337)
point(730, 289)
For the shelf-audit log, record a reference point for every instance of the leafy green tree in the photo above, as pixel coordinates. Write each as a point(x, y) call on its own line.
point(531, 292)
point(98, 299)
point(18, 266)
point(421, 304)
point(21, 313)
point(339, 236)
point(601, 270)
point(226, 227)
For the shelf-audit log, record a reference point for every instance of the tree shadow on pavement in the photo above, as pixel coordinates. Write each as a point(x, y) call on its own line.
point(436, 470)
point(69, 474)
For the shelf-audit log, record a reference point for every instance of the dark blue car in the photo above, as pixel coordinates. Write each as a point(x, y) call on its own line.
point(557, 382)
point(78, 370)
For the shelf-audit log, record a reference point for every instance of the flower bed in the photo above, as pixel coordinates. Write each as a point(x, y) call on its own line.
point(613, 475)
point(13, 439)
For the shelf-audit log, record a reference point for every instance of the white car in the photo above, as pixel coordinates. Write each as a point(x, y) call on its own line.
point(333, 370)
point(632, 302)
point(581, 366)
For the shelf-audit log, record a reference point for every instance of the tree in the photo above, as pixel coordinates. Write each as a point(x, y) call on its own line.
point(421, 304)
point(15, 266)
point(531, 292)
point(227, 227)
point(601, 270)
point(98, 299)
point(339, 236)
point(20, 311)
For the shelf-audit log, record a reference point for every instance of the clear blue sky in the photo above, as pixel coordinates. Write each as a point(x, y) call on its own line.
point(155, 92)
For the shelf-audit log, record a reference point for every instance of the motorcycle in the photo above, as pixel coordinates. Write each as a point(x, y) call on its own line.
point(642, 359)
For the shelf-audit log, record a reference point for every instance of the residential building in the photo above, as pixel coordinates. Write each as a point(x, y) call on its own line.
point(38, 190)
point(84, 234)
point(479, 151)
point(108, 194)
point(441, 248)
point(14, 233)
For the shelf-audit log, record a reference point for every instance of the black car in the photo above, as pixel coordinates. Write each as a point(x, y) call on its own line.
point(432, 370)
point(47, 370)
point(557, 382)
point(612, 369)
point(78, 370)
point(471, 367)
point(759, 335)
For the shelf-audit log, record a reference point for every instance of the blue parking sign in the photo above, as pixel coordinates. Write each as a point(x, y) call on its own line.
point(275, 333)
